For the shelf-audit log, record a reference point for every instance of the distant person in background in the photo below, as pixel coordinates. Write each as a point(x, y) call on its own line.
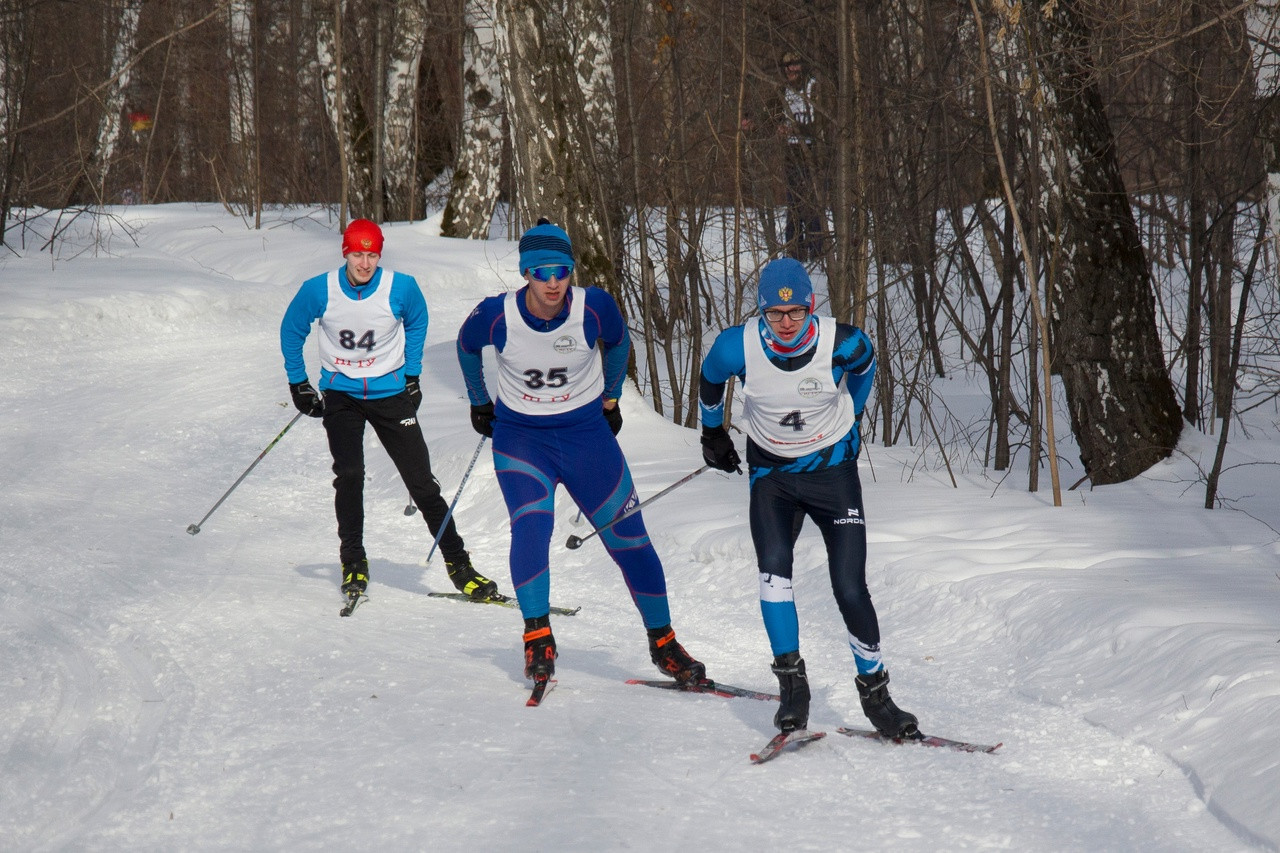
point(561, 360)
point(805, 380)
point(373, 325)
point(794, 116)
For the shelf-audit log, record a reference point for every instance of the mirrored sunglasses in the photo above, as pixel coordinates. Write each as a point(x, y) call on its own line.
point(775, 315)
point(546, 273)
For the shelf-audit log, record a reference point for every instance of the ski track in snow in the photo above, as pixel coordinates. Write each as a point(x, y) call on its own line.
point(164, 691)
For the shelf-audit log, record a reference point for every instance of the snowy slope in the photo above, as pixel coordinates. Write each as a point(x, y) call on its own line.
point(164, 691)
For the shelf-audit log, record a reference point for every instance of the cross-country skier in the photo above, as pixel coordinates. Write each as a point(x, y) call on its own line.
point(805, 381)
point(373, 325)
point(561, 360)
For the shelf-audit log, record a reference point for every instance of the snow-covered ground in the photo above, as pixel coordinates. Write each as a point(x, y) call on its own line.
point(162, 691)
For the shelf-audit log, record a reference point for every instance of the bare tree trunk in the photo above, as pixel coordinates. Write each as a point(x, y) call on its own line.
point(98, 163)
point(553, 129)
point(400, 173)
point(329, 61)
point(1004, 388)
point(845, 267)
point(1194, 191)
point(349, 120)
point(646, 293)
point(1221, 253)
point(473, 195)
point(849, 298)
point(589, 24)
point(16, 41)
point(1029, 258)
point(377, 115)
point(242, 88)
point(1124, 411)
point(1242, 314)
point(184, 143)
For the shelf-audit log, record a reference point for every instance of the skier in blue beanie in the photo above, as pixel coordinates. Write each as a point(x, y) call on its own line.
point(562, 358)
point(805, 380)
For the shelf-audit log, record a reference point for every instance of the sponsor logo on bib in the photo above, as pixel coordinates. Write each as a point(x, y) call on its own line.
point(565, 343)
point(809, 387)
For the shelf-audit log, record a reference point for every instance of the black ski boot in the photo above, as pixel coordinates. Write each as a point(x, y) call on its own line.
point(467, 580)
point(670, 657)
point(888, 718)
point(539, 648)
point(793, 684)
point(355, 577)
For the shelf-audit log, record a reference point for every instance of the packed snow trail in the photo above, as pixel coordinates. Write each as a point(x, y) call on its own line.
point(165, 691)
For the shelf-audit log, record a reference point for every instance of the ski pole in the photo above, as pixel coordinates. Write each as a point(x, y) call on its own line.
point(576, 541)
point(193, 529)
point(410, 509)
point(448, 515)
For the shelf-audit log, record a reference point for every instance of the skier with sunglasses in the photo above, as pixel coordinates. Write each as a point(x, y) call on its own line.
point(805, 380)
point(562, 355)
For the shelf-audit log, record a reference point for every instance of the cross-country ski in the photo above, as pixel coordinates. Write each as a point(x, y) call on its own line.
point(500, 600)
point(923, 740)
point(785, 741)
point(541, 687)
point(714, 688)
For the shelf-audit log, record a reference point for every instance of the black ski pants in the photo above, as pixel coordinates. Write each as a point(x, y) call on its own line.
point(832, 497)
point(395, 422)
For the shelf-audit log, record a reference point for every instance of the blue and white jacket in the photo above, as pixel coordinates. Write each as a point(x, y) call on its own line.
point(309, 305)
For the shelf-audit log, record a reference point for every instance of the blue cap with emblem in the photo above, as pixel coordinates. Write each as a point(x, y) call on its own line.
point(784, 282)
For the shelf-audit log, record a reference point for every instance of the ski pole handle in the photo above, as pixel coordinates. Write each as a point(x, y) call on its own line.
point(576, 541)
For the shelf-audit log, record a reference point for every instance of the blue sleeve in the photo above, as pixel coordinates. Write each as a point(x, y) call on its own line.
point(613, 337)
point(855, 358)
point(408, 303)
point(308, 305)
point(727, 358)
point(485, 326)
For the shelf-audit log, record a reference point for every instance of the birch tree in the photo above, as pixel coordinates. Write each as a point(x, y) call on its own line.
point(473, 193)
point(346, 115)
point(553, 132)
point(103, 146)
point(242, 90)
point(399, 111)
point(1124, 412)
point(593, 67)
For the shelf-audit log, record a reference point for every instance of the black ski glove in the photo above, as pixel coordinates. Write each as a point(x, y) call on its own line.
point(614, 417)
point(717, 450)
point(414, 390)
point(306, 399)
point(482, 419)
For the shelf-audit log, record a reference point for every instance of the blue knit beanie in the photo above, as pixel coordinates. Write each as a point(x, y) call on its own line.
point(545, 244)
point(784, 282)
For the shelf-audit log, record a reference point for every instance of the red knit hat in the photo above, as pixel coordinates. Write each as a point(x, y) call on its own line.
point(362, 236)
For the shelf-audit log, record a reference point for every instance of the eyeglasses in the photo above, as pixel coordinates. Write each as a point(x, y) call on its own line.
point(546, 273)
point(775, 315)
